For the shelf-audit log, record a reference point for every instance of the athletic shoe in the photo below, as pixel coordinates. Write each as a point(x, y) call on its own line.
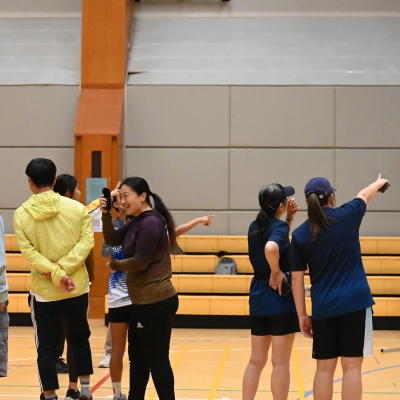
point(105, 362)
point(43, 398)
point(72, 394)
point(61, 366)
point(121, 397)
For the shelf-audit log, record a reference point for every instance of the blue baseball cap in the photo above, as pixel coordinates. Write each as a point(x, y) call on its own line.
point(320, 186)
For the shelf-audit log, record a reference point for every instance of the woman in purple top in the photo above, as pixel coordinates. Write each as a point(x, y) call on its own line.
point(146, 241)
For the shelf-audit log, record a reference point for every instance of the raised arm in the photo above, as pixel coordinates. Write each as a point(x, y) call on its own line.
point(291, 211)
point(182, 229)
point(368, 193)
point(96, 203)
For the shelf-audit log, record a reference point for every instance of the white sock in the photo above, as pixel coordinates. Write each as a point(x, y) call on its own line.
point(85, 387)
point(117, 388)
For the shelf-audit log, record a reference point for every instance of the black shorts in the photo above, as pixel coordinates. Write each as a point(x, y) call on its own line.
point(275, 325)
point(347, 335)
point(119, 314)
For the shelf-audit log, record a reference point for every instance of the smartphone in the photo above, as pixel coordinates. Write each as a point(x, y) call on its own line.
point(107, 195)
point(286, 288)
point(384, 188)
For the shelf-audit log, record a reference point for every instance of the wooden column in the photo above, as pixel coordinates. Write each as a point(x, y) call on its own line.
point(106, 29)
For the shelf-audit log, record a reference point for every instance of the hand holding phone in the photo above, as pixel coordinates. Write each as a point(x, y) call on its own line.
point(107, 195)
point(286, 288)
point(384, 188)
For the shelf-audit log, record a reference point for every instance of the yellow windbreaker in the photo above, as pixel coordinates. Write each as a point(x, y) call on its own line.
point(54, 229)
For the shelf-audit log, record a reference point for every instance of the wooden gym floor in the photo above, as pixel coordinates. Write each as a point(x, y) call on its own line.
point(208, 364)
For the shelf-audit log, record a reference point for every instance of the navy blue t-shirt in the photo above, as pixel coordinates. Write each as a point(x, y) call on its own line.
point(339, 284)
point(263, 299)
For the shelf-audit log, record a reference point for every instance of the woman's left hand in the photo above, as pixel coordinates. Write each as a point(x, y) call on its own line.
point(275, 281)
point(292, 208)
point(115, 192)
point(111, 270)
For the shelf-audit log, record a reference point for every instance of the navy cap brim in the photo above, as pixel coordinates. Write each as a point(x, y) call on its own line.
point(289, 191)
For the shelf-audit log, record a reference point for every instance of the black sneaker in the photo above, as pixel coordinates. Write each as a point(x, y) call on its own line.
point(72, 394)
point(61, 366)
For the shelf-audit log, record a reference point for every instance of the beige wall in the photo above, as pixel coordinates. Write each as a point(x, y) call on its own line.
point(218, 7)
point(257, 7)
point(40, 6)
point(35, 121)
point(211, 148)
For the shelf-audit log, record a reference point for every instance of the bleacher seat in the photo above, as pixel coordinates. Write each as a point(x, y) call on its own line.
point(203, 293)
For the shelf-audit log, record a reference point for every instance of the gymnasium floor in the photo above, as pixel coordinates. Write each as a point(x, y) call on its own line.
point(208, 364)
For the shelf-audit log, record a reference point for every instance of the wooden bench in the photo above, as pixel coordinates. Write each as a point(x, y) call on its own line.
point(217, 284)
point(239, 305)
point(238, 244)
point(11, 243)
point(18, 282)
point(374, 265)
point(203, 293)
point(18, 303)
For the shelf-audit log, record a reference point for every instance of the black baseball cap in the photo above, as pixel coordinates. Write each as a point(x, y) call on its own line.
point(273, 195)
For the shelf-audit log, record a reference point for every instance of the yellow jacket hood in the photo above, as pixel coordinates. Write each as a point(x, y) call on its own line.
point(43, 205)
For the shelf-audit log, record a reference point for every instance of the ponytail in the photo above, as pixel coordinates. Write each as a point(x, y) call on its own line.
point(261, 223)
point(269, 198)
point(163, 210)
point(316, 216)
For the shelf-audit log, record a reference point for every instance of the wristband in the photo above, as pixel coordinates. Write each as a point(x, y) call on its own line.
point(290, 220)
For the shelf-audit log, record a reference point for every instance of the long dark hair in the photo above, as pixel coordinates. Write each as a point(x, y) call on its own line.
point(316, 216)
point(65, 184)
point(269, 198)
point(139, 186)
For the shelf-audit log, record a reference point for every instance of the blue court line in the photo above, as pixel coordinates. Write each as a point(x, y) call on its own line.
point(307, 394)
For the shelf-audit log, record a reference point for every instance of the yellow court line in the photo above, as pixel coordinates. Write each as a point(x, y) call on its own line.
point(179, 358)
point(219, 374)
point(174, 365)
point(298, 373)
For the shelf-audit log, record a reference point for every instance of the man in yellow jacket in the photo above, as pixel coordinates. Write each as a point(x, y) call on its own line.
point(55, 235)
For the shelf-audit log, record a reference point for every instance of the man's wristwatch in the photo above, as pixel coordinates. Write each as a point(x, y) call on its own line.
point(5, 303)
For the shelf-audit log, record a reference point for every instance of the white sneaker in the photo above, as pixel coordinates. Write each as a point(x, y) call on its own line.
point(105, 362)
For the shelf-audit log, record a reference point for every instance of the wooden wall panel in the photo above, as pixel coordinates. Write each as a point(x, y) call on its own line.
point(99, 127)
point(100, 111)
point(106, 26)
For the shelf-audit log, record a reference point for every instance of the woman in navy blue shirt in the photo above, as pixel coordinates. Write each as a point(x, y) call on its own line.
point(272, 311)
point(328, 242)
